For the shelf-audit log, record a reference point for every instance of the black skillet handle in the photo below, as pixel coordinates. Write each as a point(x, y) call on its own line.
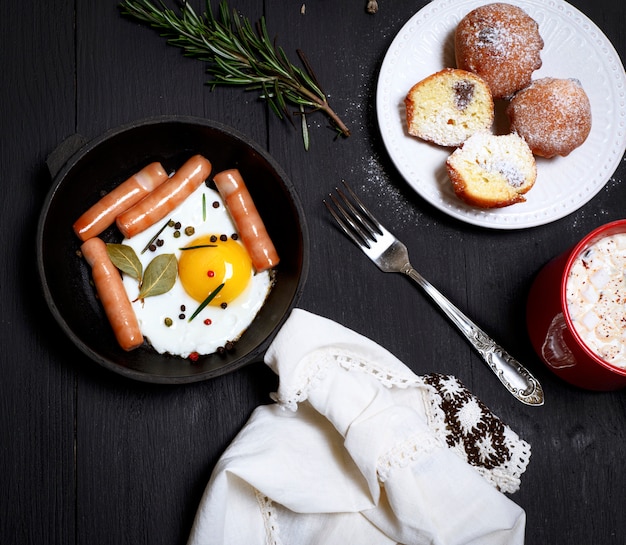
point(61, 154)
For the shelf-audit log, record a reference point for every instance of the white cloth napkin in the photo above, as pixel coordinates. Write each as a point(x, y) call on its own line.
point(358, 450)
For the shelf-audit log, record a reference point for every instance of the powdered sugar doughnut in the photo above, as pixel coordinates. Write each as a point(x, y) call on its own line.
point(553, 116)
point(501, 43)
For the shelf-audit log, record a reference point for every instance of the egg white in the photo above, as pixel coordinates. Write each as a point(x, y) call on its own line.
point(184, 337)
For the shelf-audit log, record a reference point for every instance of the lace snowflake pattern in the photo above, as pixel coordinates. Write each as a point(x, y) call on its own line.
point(470, 425)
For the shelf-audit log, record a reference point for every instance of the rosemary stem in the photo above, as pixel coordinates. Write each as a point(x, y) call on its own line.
point(325, 107)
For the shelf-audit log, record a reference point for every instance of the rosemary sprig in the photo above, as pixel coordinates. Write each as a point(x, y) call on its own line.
point(238, 54)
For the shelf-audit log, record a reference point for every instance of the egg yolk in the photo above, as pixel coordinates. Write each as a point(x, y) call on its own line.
point(205, 264)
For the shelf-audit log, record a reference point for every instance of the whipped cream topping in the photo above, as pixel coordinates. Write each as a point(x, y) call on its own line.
point(596, 298)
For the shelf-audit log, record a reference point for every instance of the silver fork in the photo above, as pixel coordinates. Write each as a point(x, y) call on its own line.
point(391, 255)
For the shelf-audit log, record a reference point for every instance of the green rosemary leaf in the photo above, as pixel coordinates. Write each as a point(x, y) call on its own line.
point(197, 246)
point(274, 108)
point(305, 128)
point(145, 248)
point(204, 303)
point(280, 99)
point(284, 61)
point(238, 53)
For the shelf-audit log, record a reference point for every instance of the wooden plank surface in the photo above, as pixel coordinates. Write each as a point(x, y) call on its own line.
point(87, 456)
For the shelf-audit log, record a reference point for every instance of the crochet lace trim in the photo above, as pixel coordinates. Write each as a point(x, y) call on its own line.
point(313, 370)
point(457, 419)
point(405, 452)
point(270, 519)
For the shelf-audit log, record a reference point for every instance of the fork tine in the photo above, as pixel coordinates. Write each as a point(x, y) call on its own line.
point(347, 224)
point(363, 211)
point(360, 221)
point(354, 219)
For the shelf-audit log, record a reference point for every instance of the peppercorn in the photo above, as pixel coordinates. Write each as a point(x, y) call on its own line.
point(168, 322)
point(189, 231)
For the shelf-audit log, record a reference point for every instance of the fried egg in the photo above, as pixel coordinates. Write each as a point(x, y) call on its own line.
point(211, 262)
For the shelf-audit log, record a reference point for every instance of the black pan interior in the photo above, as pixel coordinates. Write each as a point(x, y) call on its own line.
point(109, 160)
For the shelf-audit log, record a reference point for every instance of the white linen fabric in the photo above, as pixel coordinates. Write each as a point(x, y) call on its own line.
point(357, 449)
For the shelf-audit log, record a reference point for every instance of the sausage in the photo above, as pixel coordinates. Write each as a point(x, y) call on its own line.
point(162, 200)
point(103, 213)
point(113, 297)
point(251, 228)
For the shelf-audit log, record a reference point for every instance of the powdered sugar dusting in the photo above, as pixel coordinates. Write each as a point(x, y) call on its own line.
point(514, 176)
point(382, 193)
point(496, 39)
point(369, 175)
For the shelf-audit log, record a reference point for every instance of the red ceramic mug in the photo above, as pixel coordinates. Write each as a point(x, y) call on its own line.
point(551, 328)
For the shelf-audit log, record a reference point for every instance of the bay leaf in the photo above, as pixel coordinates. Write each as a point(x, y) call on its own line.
point(160, 276)
point(125, 259)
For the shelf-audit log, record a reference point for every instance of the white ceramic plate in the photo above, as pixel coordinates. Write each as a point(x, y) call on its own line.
point(574, 48)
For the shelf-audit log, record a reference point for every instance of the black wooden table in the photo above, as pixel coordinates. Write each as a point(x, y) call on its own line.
point(87, 456)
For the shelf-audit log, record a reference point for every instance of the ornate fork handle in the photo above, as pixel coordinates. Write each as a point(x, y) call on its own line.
point(391, 256)
point(513, 375)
